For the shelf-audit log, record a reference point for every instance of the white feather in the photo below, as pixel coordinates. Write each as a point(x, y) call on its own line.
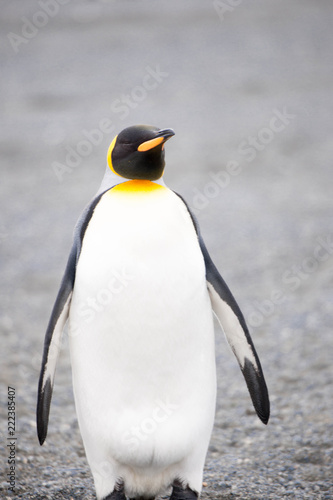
point(55, 345)
point(232, 329)
point(142, 344)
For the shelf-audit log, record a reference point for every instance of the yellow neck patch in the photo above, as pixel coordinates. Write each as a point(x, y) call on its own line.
point(137, 186)
point(109, 158)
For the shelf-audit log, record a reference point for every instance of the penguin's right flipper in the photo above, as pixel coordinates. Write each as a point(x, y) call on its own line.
point(52, 345)
point(57, 322)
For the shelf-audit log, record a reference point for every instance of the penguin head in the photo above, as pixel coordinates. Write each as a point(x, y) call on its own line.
point(138, 152)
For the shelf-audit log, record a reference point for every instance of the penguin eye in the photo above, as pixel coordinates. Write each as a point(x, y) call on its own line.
point(126, 145)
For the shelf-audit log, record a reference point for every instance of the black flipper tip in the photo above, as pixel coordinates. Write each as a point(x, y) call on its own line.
point(43, 410)
point(258, 390)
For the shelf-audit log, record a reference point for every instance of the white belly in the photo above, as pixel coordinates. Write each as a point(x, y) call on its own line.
point(142, 344)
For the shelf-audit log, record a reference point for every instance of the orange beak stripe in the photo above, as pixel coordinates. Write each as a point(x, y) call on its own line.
point(146, 146)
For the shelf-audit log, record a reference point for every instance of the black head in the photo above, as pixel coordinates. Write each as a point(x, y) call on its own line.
point(138, 152)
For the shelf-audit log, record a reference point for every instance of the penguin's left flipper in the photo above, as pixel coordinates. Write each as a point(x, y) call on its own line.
point(59, 316)
point(234, 326)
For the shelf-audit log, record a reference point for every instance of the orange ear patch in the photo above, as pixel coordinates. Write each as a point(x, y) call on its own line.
point(146, 146)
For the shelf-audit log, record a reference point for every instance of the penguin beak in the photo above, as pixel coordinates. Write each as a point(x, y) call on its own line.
point(166, 133)
point(160, 138)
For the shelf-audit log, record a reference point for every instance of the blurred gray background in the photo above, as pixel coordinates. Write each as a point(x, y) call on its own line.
point(247, 87)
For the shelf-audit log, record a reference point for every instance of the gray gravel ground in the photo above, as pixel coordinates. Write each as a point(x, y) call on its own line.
point(221, 80)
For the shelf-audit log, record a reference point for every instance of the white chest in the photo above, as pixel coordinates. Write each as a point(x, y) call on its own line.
point(141, 329)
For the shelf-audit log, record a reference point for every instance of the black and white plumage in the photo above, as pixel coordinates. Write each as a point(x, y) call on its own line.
point(139, 290)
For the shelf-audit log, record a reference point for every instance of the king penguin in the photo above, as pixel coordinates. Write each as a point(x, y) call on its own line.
point(139, 293)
